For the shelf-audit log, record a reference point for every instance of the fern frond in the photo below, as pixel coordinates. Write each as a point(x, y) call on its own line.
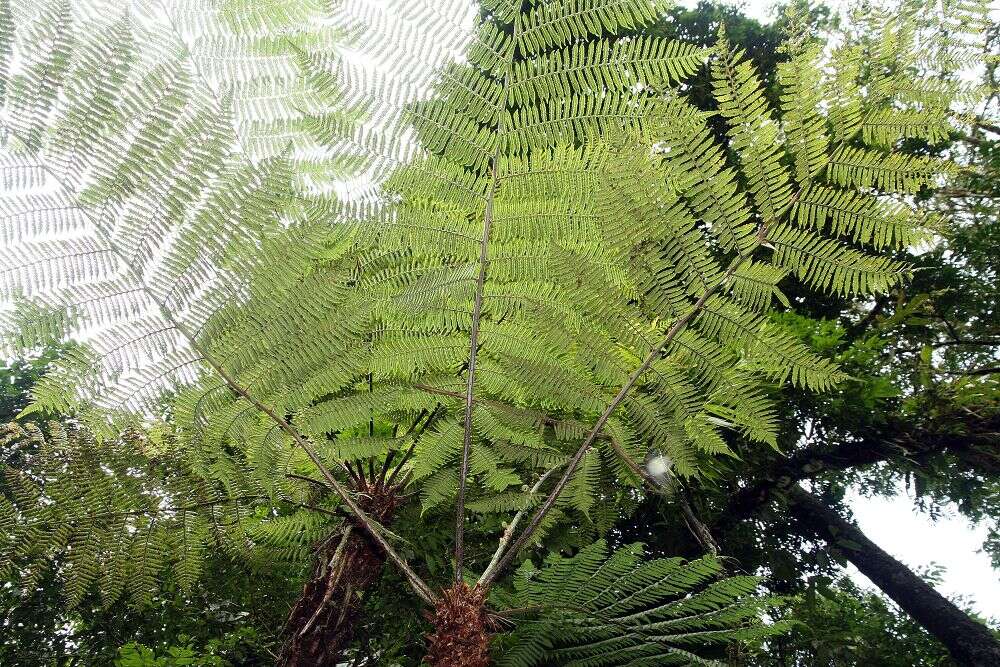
point(800, 79)
point(831, 266)
point(116, 514)
point(891, 172)
point(596, 609)
point(861, 218)
point(551, 25)
point(603, 65)
point(506, 216)
point(752, 130)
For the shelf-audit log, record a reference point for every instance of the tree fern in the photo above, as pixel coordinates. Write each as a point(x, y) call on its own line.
point(543, 249)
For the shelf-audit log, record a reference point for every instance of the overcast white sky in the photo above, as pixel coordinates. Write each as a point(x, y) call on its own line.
point(952, 542)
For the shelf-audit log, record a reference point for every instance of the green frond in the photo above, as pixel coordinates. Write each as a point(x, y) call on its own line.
point(664, 432)
point(843, 92)
point(553, 24)
point(277, 65)
point(886, 128)
point(584, 486)
point(595, 609)
point(755, 284)
point(784, 358)
point(831, 266)
point(891, 172)
point(504, 503)
point(806, 141)
point(742, 404)
point(753, 131)
point(603, 66)
point(439, 487)
point(117, 514)
point(704, 358)
point(33, 89)
point(861, 217)
point(578, 117)
point(768, 350)
point(712, 190)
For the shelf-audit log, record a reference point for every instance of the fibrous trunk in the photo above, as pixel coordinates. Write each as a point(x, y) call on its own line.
point(461, 637)
point(322, 622)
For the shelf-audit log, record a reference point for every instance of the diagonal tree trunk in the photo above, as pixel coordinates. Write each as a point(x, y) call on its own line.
point(969, 642)
point(974, 447)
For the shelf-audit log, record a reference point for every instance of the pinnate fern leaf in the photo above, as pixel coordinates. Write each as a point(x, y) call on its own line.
point(598, 609)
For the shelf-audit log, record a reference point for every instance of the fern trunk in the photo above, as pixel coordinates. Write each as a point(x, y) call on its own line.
point(322, 622)
point(969, 642)
point(461, 637)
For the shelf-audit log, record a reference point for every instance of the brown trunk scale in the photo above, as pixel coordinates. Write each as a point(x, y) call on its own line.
point(461, 637)
point(321, 625)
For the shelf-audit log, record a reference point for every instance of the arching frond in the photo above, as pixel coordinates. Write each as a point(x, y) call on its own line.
point(601, 609)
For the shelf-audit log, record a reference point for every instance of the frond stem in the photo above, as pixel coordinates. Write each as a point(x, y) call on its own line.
point(392, 452)
point(508, 534)
point(409, 452)
point(477, 311)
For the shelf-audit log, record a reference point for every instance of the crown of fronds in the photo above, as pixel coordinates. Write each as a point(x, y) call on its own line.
point(599, 610)
point(506, 243)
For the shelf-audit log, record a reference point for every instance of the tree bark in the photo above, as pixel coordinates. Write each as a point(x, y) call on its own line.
point(321, 624)
point(969, 642)
point(976, 448)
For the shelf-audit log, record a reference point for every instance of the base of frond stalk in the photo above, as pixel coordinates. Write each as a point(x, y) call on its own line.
point(460, 636)
point(321, 624)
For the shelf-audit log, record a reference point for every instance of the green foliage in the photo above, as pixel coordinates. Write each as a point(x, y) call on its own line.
point(137, 655)
point(16, 379)
point(838, 623)
point(228, 651)
point(553, 216)
point(118, 514)
point(617, 609)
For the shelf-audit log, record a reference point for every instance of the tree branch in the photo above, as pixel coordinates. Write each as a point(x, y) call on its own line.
point(989, 127)
point(696, 525)
point(969, 642)
point(896, 439)
point(859, 327)
point(987, 370)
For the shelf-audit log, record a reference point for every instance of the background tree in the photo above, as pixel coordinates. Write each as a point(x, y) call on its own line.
point(843, 624)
